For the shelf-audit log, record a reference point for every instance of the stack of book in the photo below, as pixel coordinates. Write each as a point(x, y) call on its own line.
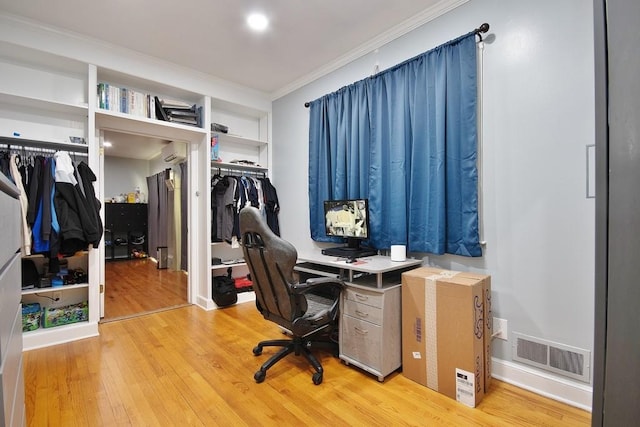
point(176, 111)
point(125, 100)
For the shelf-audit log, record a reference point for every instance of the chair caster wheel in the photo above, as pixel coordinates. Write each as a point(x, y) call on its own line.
point(259, 376)
point(317, 378)
point(257, 350)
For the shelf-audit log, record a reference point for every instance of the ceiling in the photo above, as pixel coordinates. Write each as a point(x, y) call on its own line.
point(211, 36)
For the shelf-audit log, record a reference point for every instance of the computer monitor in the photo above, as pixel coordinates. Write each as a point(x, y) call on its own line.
point(348, 219)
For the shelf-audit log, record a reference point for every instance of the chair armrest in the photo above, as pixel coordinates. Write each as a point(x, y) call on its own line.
point(316, 282)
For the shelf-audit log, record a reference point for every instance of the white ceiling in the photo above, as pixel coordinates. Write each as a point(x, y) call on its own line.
point(211, 35)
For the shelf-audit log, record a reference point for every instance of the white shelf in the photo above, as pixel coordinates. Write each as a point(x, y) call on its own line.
point(161, 90)
point(126, 123)
point(54, 289)
point(237, 139)
point(44, 104)
point(225, 266)
point(44, 337)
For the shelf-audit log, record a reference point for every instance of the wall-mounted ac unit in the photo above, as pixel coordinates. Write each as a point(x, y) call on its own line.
point(174, 152)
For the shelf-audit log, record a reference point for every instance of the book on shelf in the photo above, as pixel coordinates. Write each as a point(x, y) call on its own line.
point(175, 104)
point(151, 106)
point(183, 120)
point(124, 100)
point(160, 113)
point(181, 113)
point(136, 103)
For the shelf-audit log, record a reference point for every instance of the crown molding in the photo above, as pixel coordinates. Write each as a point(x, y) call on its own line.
point(396, 32)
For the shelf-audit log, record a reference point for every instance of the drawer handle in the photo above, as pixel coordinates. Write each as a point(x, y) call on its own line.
point(362, 297)
point(362, 313)
point(361, 331)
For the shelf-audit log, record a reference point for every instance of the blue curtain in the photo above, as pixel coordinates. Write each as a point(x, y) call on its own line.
point(406, 139)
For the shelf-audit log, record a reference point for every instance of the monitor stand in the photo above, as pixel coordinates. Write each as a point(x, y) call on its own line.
point(349, 252)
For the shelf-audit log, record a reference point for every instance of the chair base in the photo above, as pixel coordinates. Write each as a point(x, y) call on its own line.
point(298, 346)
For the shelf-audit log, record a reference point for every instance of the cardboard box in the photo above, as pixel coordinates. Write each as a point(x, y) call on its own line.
point(444, 331)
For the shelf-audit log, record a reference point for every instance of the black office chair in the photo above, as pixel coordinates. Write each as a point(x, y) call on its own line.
point(308, 311)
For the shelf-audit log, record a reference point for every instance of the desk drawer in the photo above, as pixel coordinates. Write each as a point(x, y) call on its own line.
point(361, 340)
point(363, 311)
point(364, 296)
point(11, 371)
point(10, 218)
point(10, 292)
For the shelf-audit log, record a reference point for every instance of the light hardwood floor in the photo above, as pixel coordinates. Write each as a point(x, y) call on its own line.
point(137, 286)
point(187, 366)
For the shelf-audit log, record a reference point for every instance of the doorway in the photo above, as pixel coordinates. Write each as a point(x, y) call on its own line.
point(134, 285)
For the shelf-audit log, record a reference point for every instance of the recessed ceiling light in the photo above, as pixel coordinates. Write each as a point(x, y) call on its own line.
point(257, 21)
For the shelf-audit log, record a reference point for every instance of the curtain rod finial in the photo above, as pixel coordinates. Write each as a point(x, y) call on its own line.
point(481, 29)
point(306, 104)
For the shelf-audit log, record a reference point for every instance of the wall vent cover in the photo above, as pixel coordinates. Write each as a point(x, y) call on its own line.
point(558, 358)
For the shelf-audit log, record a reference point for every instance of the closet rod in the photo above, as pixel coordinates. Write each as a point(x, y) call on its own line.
point(56, 146)
point(243, 171)
point(236, 167)
point(481, 29)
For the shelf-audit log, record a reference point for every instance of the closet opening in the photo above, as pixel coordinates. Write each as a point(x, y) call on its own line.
point(144, 196)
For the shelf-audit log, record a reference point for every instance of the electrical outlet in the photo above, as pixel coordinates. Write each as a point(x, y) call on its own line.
point(500, 329)
point(57, 296)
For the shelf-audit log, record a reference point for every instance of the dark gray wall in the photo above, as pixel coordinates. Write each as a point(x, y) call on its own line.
point(617, 316)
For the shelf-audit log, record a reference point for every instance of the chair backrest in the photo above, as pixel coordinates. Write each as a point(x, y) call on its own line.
point(270, 260)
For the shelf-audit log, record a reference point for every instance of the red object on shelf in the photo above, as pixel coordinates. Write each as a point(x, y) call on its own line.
point(243, 282)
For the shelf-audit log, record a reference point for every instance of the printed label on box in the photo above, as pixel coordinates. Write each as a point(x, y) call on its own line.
point(418, 329)
point(417, 355)
point(465, 388)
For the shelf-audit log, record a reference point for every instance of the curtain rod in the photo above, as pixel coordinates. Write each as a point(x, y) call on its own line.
point(481, 29)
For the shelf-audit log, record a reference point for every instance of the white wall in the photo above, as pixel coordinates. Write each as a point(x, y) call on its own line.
point(538, 114)
point(123, 175)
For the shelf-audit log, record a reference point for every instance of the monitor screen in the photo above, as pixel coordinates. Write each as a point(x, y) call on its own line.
point(347, 218)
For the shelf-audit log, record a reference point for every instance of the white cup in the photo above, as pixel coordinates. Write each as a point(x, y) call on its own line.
point(398, 252)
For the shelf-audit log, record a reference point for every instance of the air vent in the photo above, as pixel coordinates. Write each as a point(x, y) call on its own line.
point(558, 358)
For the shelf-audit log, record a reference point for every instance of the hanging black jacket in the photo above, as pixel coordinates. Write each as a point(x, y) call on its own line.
point(78, 216)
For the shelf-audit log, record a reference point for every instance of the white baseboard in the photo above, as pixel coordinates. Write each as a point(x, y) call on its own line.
point(246, 297)
point(545, 384)
point(45, 337)
point(209, 304)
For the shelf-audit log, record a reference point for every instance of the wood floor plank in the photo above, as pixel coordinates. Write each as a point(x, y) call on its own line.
point(192, 367)
point(138, 286)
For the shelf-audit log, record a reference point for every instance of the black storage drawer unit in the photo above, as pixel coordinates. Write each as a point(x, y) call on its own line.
point(126, 230)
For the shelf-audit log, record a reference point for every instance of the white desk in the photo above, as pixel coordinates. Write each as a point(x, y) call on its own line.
point(370, 308)
point(373, 265)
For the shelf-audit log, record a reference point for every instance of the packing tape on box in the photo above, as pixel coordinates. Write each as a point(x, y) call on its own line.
point(430, 332)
